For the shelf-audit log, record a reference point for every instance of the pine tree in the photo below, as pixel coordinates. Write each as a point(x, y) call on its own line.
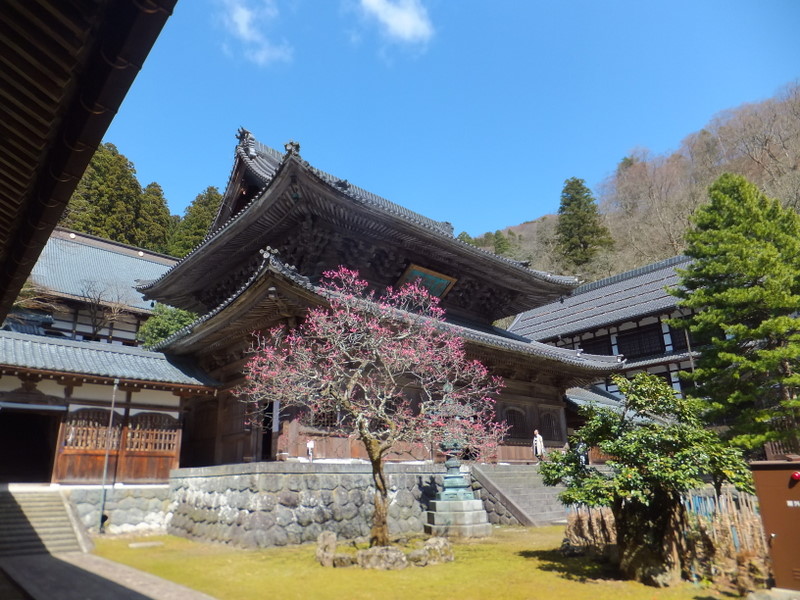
point(580, 233)
point(465, 237)
point(661, 450)
point(195, 223)
point(744, 288)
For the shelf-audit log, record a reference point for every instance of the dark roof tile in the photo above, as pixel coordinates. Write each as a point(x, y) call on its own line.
point(612, 300)
point(96, 359)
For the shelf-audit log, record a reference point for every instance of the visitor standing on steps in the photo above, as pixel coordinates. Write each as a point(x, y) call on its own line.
point(537, 445)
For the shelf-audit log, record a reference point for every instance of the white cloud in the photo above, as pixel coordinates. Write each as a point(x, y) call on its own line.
point(246, 21)
point(401, 20)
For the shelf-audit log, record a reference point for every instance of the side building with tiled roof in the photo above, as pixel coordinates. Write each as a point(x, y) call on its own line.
point(75, 387)
point(626, 315)
point(83, 287)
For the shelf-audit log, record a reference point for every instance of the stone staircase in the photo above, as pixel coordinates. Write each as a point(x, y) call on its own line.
point(521, 490)
point(36, 522)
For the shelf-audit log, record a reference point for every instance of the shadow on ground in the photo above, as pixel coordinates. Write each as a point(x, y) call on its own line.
point(573, 568)
point(583, 569)
point(45, 576)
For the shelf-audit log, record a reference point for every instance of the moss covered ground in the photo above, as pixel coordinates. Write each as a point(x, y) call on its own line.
point(514, 564)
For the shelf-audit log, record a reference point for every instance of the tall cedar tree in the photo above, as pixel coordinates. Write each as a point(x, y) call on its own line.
point(580, 233)
point(109, 202)
point(105, 201)
point(197, 219)
point(385, 369)
point(743, 287)
point(661, 450)
point(153, 219)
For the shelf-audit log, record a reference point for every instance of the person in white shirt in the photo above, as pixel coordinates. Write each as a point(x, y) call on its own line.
point(537, 445)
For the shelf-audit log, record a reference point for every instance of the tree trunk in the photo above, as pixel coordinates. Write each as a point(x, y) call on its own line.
point(650, 540)
point(379, 534)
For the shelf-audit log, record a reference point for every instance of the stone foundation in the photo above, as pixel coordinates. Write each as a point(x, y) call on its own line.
point(457, 518)
point(130, 509)
point(274, 504)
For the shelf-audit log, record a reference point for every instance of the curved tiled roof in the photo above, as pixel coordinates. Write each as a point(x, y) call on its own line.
point(82, 265)
point(95, 359)
point(600, 398)
point(442, 228)
point(266, 163)
point(592, 395)
point(487, 336)
point(616, 299)
point(270, 263)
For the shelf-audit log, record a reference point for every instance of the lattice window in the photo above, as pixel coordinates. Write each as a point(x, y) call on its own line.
point(549, 427)
point(679, 339)
point(645, 341)
point(598, 345)
point(517, 426)
point(329, 419)
point(87, 429)
point(152, 432)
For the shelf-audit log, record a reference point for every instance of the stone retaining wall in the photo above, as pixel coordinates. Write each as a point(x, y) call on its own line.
point(132, 508)
point(274, 504)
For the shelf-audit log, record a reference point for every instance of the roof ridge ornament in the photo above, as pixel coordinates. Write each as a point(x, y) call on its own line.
point(247, 142)
point(292, 147)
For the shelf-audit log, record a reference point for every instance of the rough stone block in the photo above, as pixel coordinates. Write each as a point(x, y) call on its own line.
point(290, 499)
point(385, 558)
point(304, 516)
point(309, 499)
point(326, 548)
point(283, 516)
point(344, 560)
point(356, 497)
point(295, 483)
point(262, 520)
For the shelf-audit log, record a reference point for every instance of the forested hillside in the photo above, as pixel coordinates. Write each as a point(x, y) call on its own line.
point(646, 202)
point(110, 202)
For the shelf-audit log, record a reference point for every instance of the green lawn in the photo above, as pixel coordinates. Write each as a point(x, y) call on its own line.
point(514, 564)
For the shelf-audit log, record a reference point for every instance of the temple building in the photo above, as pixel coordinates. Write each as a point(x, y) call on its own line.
point(282, 223)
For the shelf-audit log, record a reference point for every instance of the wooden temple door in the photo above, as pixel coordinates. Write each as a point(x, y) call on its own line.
point(143, 448)
point(150, 449)
point(83, 442)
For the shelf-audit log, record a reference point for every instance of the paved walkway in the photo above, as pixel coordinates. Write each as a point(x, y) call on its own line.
point(77, 576)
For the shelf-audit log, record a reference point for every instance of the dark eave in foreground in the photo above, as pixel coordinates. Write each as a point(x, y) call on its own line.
point(65, 67)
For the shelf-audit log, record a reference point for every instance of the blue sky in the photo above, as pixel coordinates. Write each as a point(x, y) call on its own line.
point(469, 112)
